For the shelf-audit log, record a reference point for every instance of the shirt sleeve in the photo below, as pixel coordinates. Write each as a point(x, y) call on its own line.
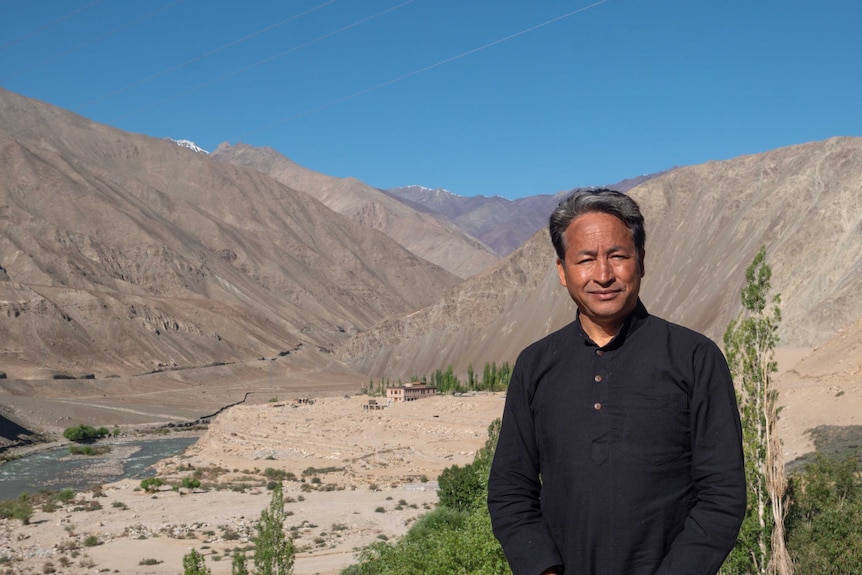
point(718, 471)
point(514, 486)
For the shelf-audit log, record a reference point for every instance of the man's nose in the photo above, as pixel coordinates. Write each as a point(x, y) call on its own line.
point(604, 272)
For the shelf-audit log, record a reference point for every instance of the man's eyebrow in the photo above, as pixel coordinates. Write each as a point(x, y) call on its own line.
point(612, 249)
point(617, 248)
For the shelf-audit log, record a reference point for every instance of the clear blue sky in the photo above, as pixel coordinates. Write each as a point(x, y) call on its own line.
point(491, 97)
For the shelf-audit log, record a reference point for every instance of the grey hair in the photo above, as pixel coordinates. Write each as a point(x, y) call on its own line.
point(603, 201)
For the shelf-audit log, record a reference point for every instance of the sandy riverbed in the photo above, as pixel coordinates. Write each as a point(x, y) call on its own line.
point(373, 474)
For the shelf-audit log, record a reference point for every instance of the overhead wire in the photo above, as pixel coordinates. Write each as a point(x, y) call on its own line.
point(92, 41)
point(264, 61)
point(422, 69)
point(206, 55)
point(44, 27)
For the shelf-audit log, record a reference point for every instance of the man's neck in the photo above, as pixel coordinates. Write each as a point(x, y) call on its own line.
point(601, 334)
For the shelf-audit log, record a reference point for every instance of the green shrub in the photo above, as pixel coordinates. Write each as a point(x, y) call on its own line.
point(824, 520)
point(191, 483)
point(91, 541)
point(454, 538)
point(65, 495)
point(461, 488)
point(194, 564)
point(88, 449)
point(20, 508)
point(238, 564)
point(82, 432)
point(151, 484)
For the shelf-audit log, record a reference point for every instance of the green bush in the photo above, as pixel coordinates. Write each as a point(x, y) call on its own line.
point(20, 508)
point(824, 520)
point(89, 450)
point(151, 484)
point(191, 483)
point(238, 564)
point(194, 564)
point(82, 432)
point(65, 495)
point(461, 488)
point(454, 538)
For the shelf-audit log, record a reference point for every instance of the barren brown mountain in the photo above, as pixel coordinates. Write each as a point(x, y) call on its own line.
point(122, 254)
point(704, 225)
point(502, 224)
point(420, 231)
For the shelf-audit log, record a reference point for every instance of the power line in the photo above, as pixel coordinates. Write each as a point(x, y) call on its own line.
point(423, 69)
point(264, 61)
point(206, 55)
point(93, 41)
point(48, 25)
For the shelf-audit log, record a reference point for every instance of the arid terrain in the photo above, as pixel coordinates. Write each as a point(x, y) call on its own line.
point(361, 476)
point(373, 473)
point(144, 284)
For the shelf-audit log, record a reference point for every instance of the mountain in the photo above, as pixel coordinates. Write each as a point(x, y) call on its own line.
point(122, 253)
point(420, 231)
point(704, 223)
point(502, 224)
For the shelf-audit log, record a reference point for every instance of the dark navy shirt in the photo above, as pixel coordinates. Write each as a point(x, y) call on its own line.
point(624, 459)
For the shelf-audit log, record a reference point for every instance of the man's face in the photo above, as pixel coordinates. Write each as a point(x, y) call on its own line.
point(602, 270)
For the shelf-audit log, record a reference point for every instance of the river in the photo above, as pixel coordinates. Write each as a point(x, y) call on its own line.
point(56, 469)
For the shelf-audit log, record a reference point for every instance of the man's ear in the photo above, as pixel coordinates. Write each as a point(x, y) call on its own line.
point(641, 260)
point(561, 270)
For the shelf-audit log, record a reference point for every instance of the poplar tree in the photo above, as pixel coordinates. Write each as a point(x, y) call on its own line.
point(749, 344)
point(273, 551)
point(194, 564)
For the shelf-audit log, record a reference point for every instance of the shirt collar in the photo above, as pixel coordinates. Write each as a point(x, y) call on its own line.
point(635, 319)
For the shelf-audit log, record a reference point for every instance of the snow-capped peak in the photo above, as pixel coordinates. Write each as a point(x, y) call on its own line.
point(189, 144)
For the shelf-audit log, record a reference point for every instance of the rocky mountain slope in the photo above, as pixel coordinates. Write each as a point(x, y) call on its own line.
point(420, 231)
point(704, 225)
point(500, 223)
point(122, 253)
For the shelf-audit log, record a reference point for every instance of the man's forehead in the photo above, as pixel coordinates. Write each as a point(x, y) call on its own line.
point(597, 224)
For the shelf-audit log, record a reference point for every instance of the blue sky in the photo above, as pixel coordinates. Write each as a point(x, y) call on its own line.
point(490, 97)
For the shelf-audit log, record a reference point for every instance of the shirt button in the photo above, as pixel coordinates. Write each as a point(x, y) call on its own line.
point(598, 378)
point(600, 352)
point(597, 406)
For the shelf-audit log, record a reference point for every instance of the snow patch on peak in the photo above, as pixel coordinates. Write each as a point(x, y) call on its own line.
point(437, 192)
point(189, 144)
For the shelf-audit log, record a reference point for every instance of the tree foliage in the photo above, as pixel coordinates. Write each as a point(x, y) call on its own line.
point(20, 508)
point(460, 488)
point(824, 522)
point(455, 538)
point(274, 552)
point(238, 564)
point(494, 378)
point(194, 564)
point(83, 432)
point(749, 343)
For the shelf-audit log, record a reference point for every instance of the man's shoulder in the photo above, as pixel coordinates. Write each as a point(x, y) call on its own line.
point(551, 342)
point(679, 334)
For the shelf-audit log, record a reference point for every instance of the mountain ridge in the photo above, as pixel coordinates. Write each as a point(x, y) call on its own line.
point(126, 253)
point(421, 232)
point(704, 225)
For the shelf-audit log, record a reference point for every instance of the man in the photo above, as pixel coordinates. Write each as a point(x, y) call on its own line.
point(620, 450)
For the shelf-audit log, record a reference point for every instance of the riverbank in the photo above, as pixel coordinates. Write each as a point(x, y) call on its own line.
point(351, 477)
point(58, 468)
